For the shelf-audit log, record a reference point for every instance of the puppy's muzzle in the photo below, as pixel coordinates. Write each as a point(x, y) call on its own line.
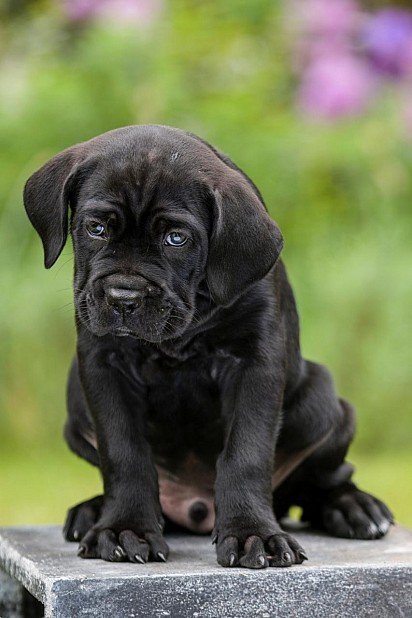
point(126, 295)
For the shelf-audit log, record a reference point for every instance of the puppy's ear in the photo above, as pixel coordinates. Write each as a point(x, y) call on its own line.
point(46, 200)
point(245, 242)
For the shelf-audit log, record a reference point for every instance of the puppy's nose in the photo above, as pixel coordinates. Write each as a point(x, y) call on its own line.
point(124, 300)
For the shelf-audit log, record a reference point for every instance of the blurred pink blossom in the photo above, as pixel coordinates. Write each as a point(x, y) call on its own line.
point(335, 86)
point(340, 51)
point(387, 40)
point(121, 11)
point(332, 18)
point(322, 28)
point(80, 10)
point(134, 11)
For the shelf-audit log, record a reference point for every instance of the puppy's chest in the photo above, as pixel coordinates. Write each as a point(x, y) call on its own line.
point(180, 390)
point(184, 411)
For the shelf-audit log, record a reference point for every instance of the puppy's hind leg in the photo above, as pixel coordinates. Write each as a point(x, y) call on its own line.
point(79, 436)
point(322, 484)
point(336, 504)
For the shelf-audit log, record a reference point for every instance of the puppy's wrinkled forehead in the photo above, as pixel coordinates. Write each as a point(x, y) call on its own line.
point(143, 173)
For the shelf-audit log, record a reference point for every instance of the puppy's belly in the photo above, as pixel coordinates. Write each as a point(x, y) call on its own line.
point(188, 505)
point(187, 494)
point(187, 497)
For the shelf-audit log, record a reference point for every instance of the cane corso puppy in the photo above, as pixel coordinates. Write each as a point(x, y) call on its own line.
point(188, 388)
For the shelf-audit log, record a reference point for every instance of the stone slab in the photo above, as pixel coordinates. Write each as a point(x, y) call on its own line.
point(11, 597)
point(342, 578)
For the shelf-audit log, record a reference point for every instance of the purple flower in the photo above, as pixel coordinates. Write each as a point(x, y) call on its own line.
point(131, 11)
point(388, 42)
point(332, 18)
point(321, 28)
point(81, 10)
point(335, 86)
point(120, 11)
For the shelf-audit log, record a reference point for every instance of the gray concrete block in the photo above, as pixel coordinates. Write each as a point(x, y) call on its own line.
point(342, 578)
point(11, 597)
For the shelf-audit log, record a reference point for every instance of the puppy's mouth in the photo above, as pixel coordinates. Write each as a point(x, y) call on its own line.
point(122, 331)
point(151, 320)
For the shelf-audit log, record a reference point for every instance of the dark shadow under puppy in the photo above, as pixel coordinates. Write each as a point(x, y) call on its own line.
point(188, 388)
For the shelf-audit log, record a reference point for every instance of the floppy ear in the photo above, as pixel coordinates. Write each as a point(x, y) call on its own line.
point(245, 242)
point(46, 200)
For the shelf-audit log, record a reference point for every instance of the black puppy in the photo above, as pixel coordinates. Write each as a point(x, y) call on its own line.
point(188, 380)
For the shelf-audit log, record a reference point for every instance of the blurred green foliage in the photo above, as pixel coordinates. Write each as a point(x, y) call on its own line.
point(341, 193)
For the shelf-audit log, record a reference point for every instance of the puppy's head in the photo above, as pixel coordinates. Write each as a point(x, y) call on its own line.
point(158, 217)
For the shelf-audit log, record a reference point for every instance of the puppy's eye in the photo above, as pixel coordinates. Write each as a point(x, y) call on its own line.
point(96, 229)
point(175, 239)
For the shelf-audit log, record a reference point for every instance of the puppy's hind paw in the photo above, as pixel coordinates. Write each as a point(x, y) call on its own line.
point(81, 518)
point(357, 515)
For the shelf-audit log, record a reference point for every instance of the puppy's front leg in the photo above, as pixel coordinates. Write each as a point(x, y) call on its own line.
point(130, 523)
point(246, 530)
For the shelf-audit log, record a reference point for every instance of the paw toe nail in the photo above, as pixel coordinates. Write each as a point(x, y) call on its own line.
point(232, 560)
point(161, 556)
point(261, 560)
point(214, 539)
point(139, 559)
point(76, 535)
point(287, 557)
point(119, 553)
point(303, 555)
point(81, 551)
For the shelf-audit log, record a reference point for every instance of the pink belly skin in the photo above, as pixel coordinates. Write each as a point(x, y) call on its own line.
point(192, 484)
point(177, 499)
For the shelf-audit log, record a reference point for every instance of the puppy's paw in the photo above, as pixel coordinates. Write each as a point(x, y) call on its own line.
point(356, 515)
point(81, 518)
point(125, 545)
point(278, 550)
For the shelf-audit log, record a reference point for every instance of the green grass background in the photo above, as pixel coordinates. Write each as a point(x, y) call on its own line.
point(342, 194)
